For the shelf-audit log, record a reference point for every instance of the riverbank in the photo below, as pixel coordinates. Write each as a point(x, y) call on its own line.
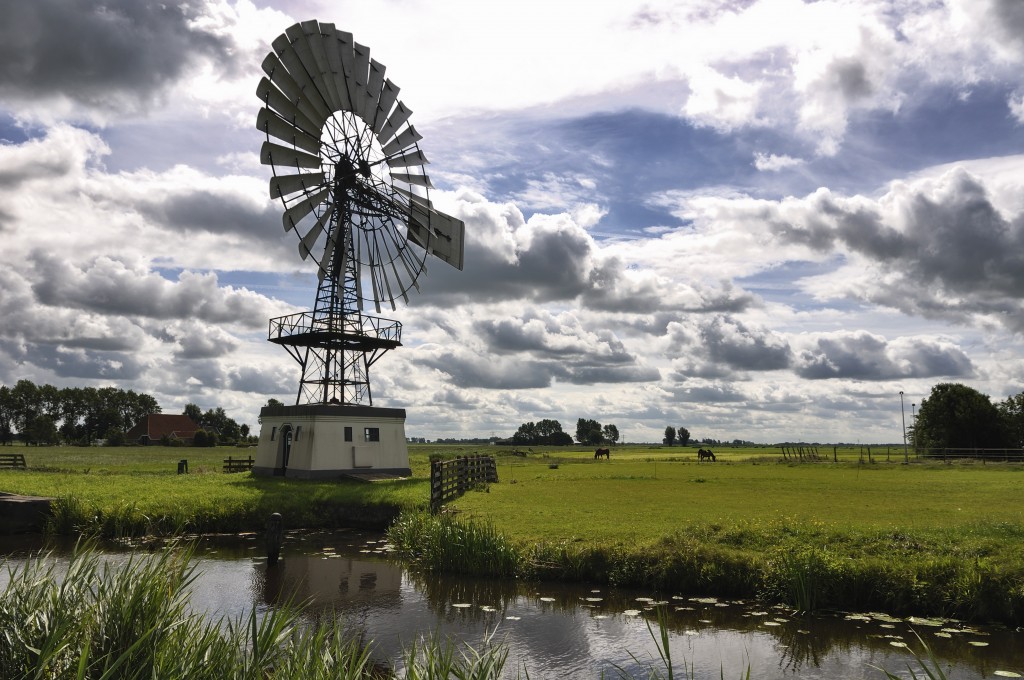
point(923, 538)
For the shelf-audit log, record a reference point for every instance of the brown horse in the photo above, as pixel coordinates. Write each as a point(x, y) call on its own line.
point(603, 452)
point(702, 454)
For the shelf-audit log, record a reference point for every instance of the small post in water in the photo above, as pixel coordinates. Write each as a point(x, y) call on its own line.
point(274, 536)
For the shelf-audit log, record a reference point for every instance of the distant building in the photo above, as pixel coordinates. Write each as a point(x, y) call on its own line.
point(154, 427)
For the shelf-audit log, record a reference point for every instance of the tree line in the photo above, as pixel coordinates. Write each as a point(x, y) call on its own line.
point(955, 416)
point(45, 414)
point(550, 433)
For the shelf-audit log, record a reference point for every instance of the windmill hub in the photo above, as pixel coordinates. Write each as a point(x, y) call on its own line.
point(350, 175)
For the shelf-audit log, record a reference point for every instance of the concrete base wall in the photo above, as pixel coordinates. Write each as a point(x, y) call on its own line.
point(23, 514)
point(324, 441)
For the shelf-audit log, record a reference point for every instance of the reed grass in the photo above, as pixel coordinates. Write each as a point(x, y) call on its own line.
point(97, 620)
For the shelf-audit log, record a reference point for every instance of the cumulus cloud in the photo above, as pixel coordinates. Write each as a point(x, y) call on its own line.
point(860, 355)
point(106, 58)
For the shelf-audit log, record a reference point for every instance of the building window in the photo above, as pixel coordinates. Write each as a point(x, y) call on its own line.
point(348, 434)
point(298, 431)
point(371, 434)
point(273, 433)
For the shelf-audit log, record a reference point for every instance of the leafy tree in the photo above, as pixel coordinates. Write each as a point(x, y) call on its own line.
point(274, 402)
point(670, 435)
point(683, 435)
point(959, 417)
point(41, 430)
point(1012, 413)
point(6, 415)
point(588, 432)
point(546, 432)
point(194, 412)
point(610, 434)
point(26, 403)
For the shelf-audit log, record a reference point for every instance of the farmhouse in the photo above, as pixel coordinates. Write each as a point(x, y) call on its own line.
point(154, 427)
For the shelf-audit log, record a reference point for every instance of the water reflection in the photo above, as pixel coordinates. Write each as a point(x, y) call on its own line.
point(573, 630)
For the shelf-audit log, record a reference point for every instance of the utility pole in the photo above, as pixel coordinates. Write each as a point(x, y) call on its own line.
point(903, 416)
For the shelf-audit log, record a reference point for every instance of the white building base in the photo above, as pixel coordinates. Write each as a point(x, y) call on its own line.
point(320, 441)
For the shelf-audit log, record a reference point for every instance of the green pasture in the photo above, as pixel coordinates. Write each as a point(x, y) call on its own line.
point(867, 531)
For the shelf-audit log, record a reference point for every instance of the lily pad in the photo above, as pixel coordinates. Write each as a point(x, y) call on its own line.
point(977, 643)
point(632, 612)
point(462, 605)
point(547, 599)
point(1007, 674)
point(897, 643)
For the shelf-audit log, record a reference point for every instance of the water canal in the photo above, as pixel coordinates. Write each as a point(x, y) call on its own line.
point(570, 630)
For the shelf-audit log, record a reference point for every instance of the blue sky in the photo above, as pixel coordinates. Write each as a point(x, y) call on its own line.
point(758, 220)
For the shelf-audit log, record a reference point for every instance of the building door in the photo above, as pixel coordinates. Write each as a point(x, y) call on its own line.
point(286, 449)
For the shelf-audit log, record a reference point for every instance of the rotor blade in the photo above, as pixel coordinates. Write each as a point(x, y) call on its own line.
point(285, 156)
point(383, 272)
point(329, 248)
point(279, 75)
point(323, 78)
point(293, 61)
point(293, 215)
point(407, 138)
point(388, 97)
point(333, 49)
point(357, 266)
point(402, 288)
point(285, 107)
point(420, 180)
point(348, 61)
point(394, 121)
point(373, 89)
point(420, 201)
point(282, 185)
point(309, 240)
point(296, 35)
point(373, 275)
point(409, 158)
point(275, 126)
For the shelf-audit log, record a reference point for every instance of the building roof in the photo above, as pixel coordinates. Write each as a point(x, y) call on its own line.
point(158, 425)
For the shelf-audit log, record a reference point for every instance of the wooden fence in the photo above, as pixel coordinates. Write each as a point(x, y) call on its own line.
point(12, 460)
point(451, 478)
point(237, 464)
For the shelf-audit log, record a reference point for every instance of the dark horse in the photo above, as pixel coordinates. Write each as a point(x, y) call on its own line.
point(603, 452)
point(702, 454)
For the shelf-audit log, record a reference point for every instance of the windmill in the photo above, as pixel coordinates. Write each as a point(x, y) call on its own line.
point(349, 172)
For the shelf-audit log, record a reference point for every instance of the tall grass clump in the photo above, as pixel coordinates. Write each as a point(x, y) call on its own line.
point(106, 620)
point(444, 543)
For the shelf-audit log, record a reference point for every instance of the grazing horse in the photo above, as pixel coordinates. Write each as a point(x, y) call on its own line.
point(702, 454)
point(603, 452)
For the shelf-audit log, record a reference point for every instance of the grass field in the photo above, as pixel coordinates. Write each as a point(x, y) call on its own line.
point(927, 537)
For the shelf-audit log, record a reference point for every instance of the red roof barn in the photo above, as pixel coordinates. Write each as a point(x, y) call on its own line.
point(154, 427)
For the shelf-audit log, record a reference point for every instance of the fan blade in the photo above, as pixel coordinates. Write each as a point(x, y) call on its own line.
point(420, 180)
point(422, 203)
point(373, 89)
point(348, 61)
point(285, 107)
point(293, 215)
point(411, 158)
point(395, 121)
point(329, 248)
point(333, 49)
point(294, 62)
point(408, 137)
point(323, 77)
point(309, 240)
point(275, 126)
point(373, 277)
point(285, 156)
point(388, 97)
point(282, 185)
point(357, 266)
point(279, 75)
